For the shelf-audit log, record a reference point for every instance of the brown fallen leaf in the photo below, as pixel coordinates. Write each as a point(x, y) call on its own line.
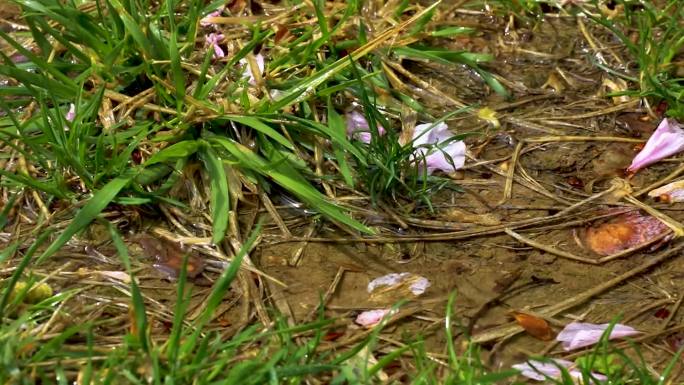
point(534, 326)
point(168, 256)
point(624, 232)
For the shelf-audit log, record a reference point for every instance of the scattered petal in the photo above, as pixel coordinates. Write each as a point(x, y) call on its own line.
point(623, 232)
point(358, 128)
point(371, 318)
point(541, 371)
point(214, 39)
point(670, 193)
point(416, 284)
point(71, 114)
point(534, 326)
point(204, 22)
point(247, 72)
point(430, 135)
point(579, 334)
point(666, 140)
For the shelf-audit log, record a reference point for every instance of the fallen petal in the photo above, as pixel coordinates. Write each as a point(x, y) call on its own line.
point(580, 334)
point(416, 284)
point(204, 22)
point(670, 193)
point(540, 371)
point(427, 137)
point(371, 318)
point(666, 140)
point(358, 128)
point(214, 39)
point(623, 232)
point(438, 159)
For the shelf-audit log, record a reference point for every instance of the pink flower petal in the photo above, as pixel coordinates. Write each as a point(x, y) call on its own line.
point(541, 371)
point(666, 140)
point(429, 135)
point(71, 114)
point(214, 39)
point(371, 318)
point(358, 128)
point(204, 22)
point(579, 334)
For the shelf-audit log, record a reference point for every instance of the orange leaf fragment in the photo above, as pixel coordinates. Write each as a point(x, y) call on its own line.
point(622, 233)
point(534, 326)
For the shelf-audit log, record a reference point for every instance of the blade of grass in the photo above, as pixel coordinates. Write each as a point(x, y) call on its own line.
point(220, 205)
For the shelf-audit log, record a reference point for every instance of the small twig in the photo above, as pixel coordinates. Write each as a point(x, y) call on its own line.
point(508, 188)
point(296, 257)
point(549, 249)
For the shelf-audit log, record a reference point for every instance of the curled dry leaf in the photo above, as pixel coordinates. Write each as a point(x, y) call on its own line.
point(534, 326)
point(623, 232)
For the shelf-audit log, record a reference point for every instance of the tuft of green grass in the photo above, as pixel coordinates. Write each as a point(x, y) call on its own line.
point(657, 50)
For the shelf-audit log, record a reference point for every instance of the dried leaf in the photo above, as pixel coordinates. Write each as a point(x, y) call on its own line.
point(534, 326)
point(169, 256)
point(622, 233)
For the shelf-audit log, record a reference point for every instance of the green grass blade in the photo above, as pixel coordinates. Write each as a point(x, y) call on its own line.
point(174, 152)
point(220, 205)
point(257, 124)
point(337, 124)
point(284, 174)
